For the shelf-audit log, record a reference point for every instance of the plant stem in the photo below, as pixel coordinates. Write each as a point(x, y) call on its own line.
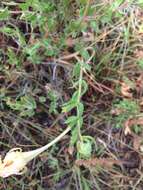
point(78, 101)
point(32, 154)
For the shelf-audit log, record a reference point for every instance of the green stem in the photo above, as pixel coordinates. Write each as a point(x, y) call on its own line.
point(78, 101)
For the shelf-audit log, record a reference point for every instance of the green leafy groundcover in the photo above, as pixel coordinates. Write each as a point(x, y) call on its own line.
point(76, 64)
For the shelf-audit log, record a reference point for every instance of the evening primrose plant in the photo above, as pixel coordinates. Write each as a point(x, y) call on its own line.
point(15, 161)
point(83, 143)
point(26, 105)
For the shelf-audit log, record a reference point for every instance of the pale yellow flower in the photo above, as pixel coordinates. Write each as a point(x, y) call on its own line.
point(15, 160)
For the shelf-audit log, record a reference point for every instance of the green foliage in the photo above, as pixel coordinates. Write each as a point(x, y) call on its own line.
point(26, 105)
point(84, 148)
point(8, 31)
point(128, 109)
point(4, 14)
point(15, 33)
point(53, 97)
point(42, 99)
point(35, 32)
point(54, 164)
point(12, 58)
point(137, 129)
point(32, 52)
point(40, 16)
